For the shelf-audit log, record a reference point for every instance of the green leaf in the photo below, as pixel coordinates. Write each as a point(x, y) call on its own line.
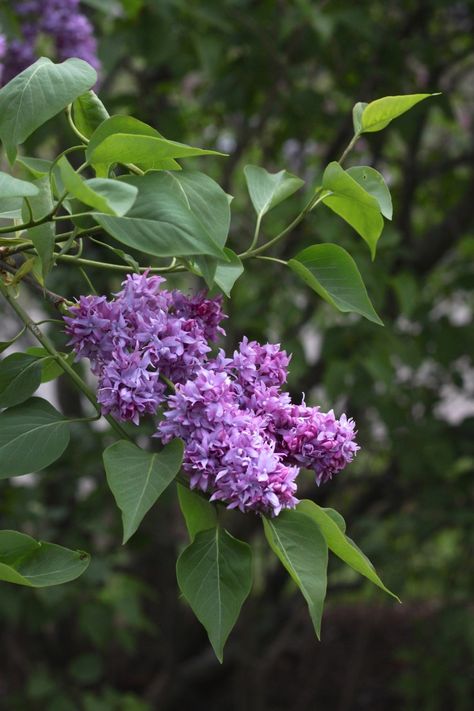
point(297, 541)
point(373, 183)
point(6, 344)
point(88, 113)
point(10, 209)
point(37, 564)
point(12, 187)
point(137, 478)
point(227, 273)
point(199, 513)
point(340, 544)
point(148, 151)
point(267, 190)
point(42, 236)
point(32, 436)
point(129, 126)
point(381, 112)
point(113, 197)
point(351, 202)
point(37, 94)
point(337, 518)
point(20, 376)
point(164, 221)
point(37, 167)
point(357, 112)
point(215, 576)
point(211, 206)
point(332, 273)
point(50, 369)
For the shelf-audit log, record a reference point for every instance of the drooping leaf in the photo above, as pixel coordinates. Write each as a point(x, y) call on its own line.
point(215, 576)
point(43, 235)
point(297, 541)
point(20, 376)
point(112, 197)
point(332, 273)
point(379, 113)
point(227, 273)
point(137, 478)
point(351, 202)
point(129, 126)
point(32, 436)
point(36, 564)
point(199, 513)
point(88, 112)
point(37, 94)
point(267, 190)
point(13, 187)
point(340, 544)
point(163, 221)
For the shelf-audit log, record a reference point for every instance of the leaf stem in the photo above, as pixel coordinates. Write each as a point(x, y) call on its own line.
point(349, 147)
point(315, 200)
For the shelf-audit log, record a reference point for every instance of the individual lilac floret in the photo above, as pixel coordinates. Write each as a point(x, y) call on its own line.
point(227, 454)
point(319, 441)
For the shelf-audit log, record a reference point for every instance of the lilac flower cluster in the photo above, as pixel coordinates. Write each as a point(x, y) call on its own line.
point(142, 334)
point(59, 20)
point(245, 441)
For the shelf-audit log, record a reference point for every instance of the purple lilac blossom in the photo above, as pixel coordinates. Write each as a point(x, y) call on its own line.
point(137, 337)
point(62, 21)
point(245, 441)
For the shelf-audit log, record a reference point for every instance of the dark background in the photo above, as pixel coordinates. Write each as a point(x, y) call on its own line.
point(273, 83)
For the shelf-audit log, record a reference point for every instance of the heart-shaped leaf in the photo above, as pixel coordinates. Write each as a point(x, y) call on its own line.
point(332, 273)
point(137, 478)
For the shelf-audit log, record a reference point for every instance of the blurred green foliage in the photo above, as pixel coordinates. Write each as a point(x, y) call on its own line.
point(273, 83)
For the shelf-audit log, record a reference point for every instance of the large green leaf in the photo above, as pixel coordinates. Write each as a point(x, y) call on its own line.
point(137, 478)
point(129, 126)
point(198, 512)
point(381, 112)
point(32, 436)
point(210, 204)
point(37, 564)
point(37, 94)
point(149, 152)
point(332, 273)
point(215, 576)
point(373, 183)
point(43, 235)
point(113, 197)
point(300, 546)
point(20, 376)
point(340, 544)
point(163, 221)
point(88, 112)
point(13, 187)
point(267, 190)
point(351, 202)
